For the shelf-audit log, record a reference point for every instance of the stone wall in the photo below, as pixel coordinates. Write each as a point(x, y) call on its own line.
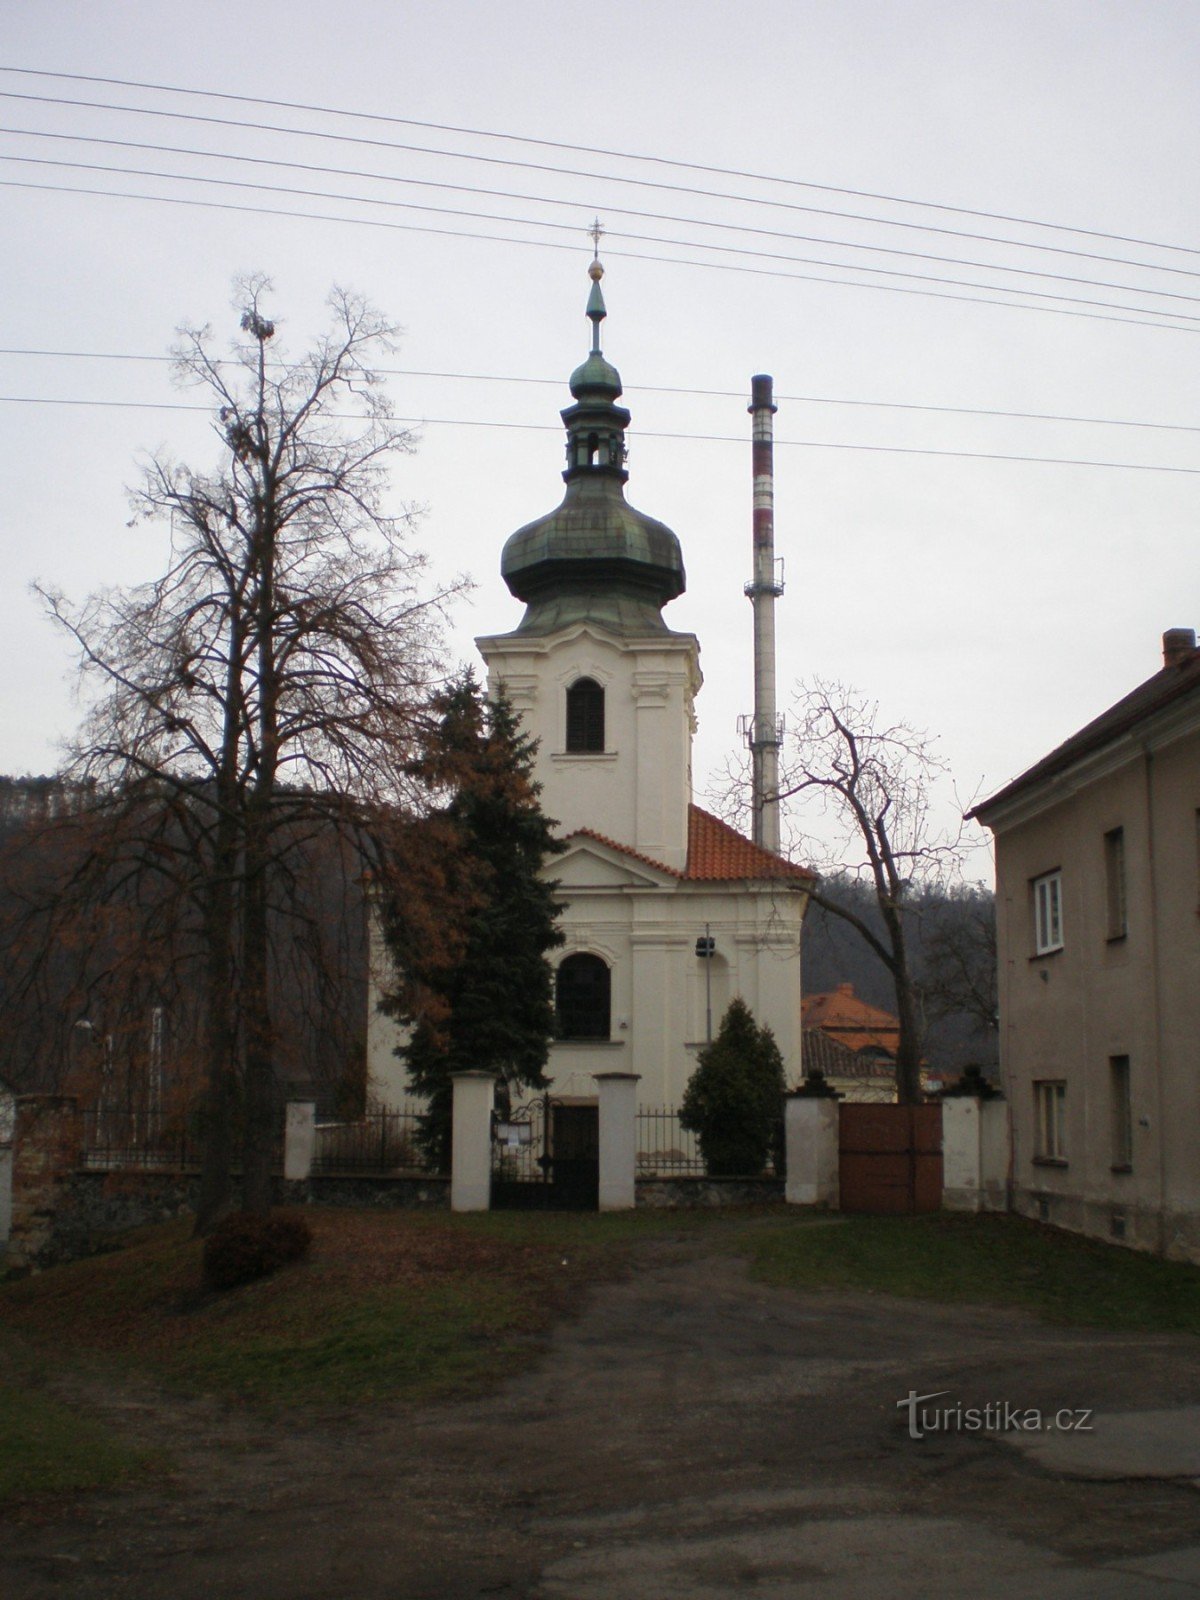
point(697, 1193)
point(46, 1148)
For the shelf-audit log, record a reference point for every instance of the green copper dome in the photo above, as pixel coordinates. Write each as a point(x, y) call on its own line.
point(595, 558)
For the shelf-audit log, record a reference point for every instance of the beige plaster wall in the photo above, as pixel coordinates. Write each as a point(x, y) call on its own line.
point(1063, 1015)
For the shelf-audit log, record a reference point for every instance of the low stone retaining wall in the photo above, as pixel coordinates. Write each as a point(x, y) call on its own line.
point(421, 1193)
point(92, 1209)
point(696, 1193)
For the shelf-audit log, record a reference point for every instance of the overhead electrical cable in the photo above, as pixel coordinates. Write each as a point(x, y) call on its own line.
point(606, 154)
point(612, 210)
point(534, 166)
point(1103, 315)
point(672, 389)
point(648, 433)
point(640, 238)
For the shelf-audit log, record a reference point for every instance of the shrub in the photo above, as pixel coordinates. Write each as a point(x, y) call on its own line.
point(244, 1246)
point(734, 1099)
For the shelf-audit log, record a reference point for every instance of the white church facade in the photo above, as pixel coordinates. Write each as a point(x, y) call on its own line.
point(668, 913)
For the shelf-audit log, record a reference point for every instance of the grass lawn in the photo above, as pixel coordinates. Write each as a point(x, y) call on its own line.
point(991, 1260)
point(419, 1305)
point(389, 1303)
point(48, 1448)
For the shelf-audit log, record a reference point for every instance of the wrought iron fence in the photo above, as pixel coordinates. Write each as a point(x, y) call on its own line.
point(382, 1141)
point(115, 1140)
point(664, 1148)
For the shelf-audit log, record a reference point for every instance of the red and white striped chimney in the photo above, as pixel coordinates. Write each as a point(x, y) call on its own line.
point(763, 590)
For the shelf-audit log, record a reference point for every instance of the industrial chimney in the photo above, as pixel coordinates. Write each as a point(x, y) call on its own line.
point(764, 729)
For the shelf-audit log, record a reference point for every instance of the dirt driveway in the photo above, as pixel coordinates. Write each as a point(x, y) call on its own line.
point(692, 1434)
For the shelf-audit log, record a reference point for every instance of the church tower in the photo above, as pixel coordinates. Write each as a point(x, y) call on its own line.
point(597, 675)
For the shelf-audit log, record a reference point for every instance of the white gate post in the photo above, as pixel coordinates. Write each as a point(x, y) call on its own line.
point(471, 1140)
point(810, 1123)
point(618, 1139)
point(974, 1145)
point(960, 1153)
point(299, 1140)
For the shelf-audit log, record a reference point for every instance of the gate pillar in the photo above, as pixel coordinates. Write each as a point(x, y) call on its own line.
point(471, 1141)
point(618, 1139)
point(299, 1139)
point(810, 1123)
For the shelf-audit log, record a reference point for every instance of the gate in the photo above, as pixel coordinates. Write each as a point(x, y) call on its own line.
point(546, 1157)
point(890, 1158)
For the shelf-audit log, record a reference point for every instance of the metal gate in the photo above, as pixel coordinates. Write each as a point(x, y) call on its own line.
point(890, 1158)
point(546, 1157)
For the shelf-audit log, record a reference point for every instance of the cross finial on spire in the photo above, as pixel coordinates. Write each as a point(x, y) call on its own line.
point(595, 307)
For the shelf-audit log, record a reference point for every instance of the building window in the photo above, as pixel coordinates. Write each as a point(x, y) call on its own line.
point(583, 995)
point(1122, 1112)
point(1050, 1104)
point(585, 717)
point(1114, 882)
point(1047, 913)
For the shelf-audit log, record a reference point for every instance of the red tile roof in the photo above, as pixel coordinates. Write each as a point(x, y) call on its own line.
point(717, 853)
point(851, 1021)
point(837, 1060)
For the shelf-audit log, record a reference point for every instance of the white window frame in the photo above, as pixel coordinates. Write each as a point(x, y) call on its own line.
point(1050, 1114)
point(1047, 913)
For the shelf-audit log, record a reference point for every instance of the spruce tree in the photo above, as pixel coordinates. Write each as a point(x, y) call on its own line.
point(485, 1000)
point(734, 1099)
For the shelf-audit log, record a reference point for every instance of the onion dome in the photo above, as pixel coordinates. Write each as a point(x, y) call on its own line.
point(595, 558)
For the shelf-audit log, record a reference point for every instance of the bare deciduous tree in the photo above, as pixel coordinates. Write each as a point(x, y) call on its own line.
point(874, 787)
point(958, 958)
point(269, 686)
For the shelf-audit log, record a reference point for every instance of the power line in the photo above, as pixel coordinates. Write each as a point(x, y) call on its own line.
point(1143, 321)
point(624, 211)
point(640, 238)
point(606, 154)
point(691, 438)
point(675, 389)
point(568, 172)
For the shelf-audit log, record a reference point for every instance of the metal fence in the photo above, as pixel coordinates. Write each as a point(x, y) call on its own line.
point(664, 1148)
point(119, 1140)
point(382, 1141)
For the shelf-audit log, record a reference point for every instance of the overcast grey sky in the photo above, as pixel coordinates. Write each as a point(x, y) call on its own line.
point(998, 603)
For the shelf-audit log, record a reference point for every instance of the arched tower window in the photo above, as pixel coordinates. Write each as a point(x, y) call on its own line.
point(583, 998)
point(585, 716)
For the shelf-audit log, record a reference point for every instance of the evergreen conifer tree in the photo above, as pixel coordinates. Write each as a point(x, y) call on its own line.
point(734, 1099)
point(485, 999)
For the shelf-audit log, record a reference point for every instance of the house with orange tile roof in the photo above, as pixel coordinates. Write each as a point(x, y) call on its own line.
point(867, 1031)
point(668, 913)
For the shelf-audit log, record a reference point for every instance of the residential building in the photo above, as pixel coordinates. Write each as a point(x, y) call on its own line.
point(1098, 909)
point(867, 1031)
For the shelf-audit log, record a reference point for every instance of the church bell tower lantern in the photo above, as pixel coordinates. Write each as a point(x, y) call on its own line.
point(598, 676)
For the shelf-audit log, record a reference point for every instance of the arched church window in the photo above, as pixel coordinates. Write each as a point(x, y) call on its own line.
point(585, 716)
point(583, 998)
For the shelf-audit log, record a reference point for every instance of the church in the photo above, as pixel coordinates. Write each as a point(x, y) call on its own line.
point(668, 912)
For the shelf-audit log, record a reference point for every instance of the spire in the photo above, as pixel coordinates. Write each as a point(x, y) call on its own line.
point(596, 425)
point(595, 307)
point(595, 556)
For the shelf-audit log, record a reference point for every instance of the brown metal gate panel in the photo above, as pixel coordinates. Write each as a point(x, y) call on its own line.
point(890, 1158)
